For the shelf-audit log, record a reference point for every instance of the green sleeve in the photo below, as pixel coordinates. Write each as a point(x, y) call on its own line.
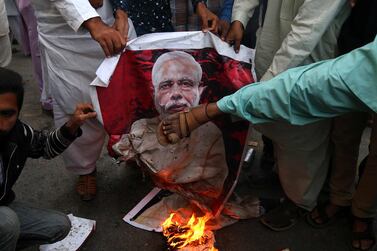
point(307, 94)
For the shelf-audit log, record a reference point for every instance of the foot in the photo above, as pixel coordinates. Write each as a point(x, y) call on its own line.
point(86, 186)
point(283, 217)
point(325, 214)
point(363, 235)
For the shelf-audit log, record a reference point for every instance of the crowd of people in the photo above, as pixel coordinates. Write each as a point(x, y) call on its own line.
point(316, 63)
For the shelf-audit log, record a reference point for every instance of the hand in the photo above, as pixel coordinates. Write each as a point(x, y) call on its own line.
point(111, 40)
point(82, 113)
point(235, 35)
point(223, 29)
point(121, 23)
point(96, 3)
point(208, 19)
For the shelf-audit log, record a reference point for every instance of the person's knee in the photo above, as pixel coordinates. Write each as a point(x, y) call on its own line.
point(9, 225)
point(60, 227)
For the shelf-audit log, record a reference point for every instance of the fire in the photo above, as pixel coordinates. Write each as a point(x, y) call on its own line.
point(193, 233)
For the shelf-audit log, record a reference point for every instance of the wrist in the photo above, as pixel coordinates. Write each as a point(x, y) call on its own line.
point(121, 14)
point(93, 23)
point(72, 126)
point(237, 24)
point(70, 132)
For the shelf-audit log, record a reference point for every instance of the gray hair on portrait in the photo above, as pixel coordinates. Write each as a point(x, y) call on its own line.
point(178, 56)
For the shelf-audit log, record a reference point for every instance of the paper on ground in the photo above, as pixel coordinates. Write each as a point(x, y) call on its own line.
point(80, 231)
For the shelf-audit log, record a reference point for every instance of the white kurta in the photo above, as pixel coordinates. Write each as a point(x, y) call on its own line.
point(5, 51)
point(70, 58)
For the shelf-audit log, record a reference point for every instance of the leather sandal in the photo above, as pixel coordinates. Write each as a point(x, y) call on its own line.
point(367, 235)
point(86, 186)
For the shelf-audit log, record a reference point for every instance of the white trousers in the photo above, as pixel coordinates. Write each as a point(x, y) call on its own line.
point(81, 156)
point(5, 51)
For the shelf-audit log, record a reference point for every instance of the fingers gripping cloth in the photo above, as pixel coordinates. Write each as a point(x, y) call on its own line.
point(188, 121)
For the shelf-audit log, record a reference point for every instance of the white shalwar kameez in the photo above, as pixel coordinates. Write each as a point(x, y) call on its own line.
point(70, 58)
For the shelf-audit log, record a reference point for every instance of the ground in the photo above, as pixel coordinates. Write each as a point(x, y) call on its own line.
point(45, 183)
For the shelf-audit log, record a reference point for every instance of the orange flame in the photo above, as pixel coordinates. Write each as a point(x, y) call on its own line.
point(181, 235)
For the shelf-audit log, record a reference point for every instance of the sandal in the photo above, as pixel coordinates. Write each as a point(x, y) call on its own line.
point(367, 234)
point(324, 217)
point(284, 217)
point(86, 186)
point(186, 121)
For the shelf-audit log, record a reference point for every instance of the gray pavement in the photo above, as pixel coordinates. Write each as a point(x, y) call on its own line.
point(47, 184)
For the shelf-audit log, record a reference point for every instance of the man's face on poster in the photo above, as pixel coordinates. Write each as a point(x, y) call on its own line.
point(177, 87)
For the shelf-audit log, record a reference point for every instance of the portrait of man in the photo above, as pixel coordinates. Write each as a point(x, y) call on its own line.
point(193, 168)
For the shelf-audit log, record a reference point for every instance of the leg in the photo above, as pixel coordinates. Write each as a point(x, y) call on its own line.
point(9, 229)
point(40, 226)
point(302, 154)
point(82, 154)
point(364, 203)
point(346, 136)
point(6, 51)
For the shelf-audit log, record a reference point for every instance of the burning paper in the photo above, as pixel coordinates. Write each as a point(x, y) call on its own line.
point(192, 235)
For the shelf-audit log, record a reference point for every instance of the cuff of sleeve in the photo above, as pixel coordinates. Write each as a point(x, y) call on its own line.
point(85, 13)
point(77, 23)
point(240, 16)
point(67, 135)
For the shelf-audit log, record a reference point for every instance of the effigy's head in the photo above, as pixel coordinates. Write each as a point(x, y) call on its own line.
point(176, 80)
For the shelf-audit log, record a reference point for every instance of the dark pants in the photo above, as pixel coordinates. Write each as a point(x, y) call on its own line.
point(22, 226)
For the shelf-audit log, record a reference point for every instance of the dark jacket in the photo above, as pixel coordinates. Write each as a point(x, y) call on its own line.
point(23, 142)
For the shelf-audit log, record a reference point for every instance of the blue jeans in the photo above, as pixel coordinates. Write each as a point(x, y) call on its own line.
point(22, 226)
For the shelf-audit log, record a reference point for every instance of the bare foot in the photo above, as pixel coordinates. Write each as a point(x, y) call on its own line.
point(331, 210)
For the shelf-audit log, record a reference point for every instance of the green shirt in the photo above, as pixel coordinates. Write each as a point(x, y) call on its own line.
point(309, 93)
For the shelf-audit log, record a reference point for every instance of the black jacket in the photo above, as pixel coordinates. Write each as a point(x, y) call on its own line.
point(23, 142)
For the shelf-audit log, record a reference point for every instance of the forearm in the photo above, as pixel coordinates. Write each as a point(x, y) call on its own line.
point(49, 144)
point(305, 94)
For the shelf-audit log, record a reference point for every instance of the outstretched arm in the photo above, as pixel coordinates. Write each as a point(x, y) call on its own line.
point(298, 96)
point(50, 144)
point(310, 93)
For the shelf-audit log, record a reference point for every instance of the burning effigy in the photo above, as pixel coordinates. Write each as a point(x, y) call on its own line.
point(161, 74)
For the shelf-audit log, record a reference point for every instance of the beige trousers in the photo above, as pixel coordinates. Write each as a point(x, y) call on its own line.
point(303, 156)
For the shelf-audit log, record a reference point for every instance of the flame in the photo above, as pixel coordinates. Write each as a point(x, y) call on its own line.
point(180, 235)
